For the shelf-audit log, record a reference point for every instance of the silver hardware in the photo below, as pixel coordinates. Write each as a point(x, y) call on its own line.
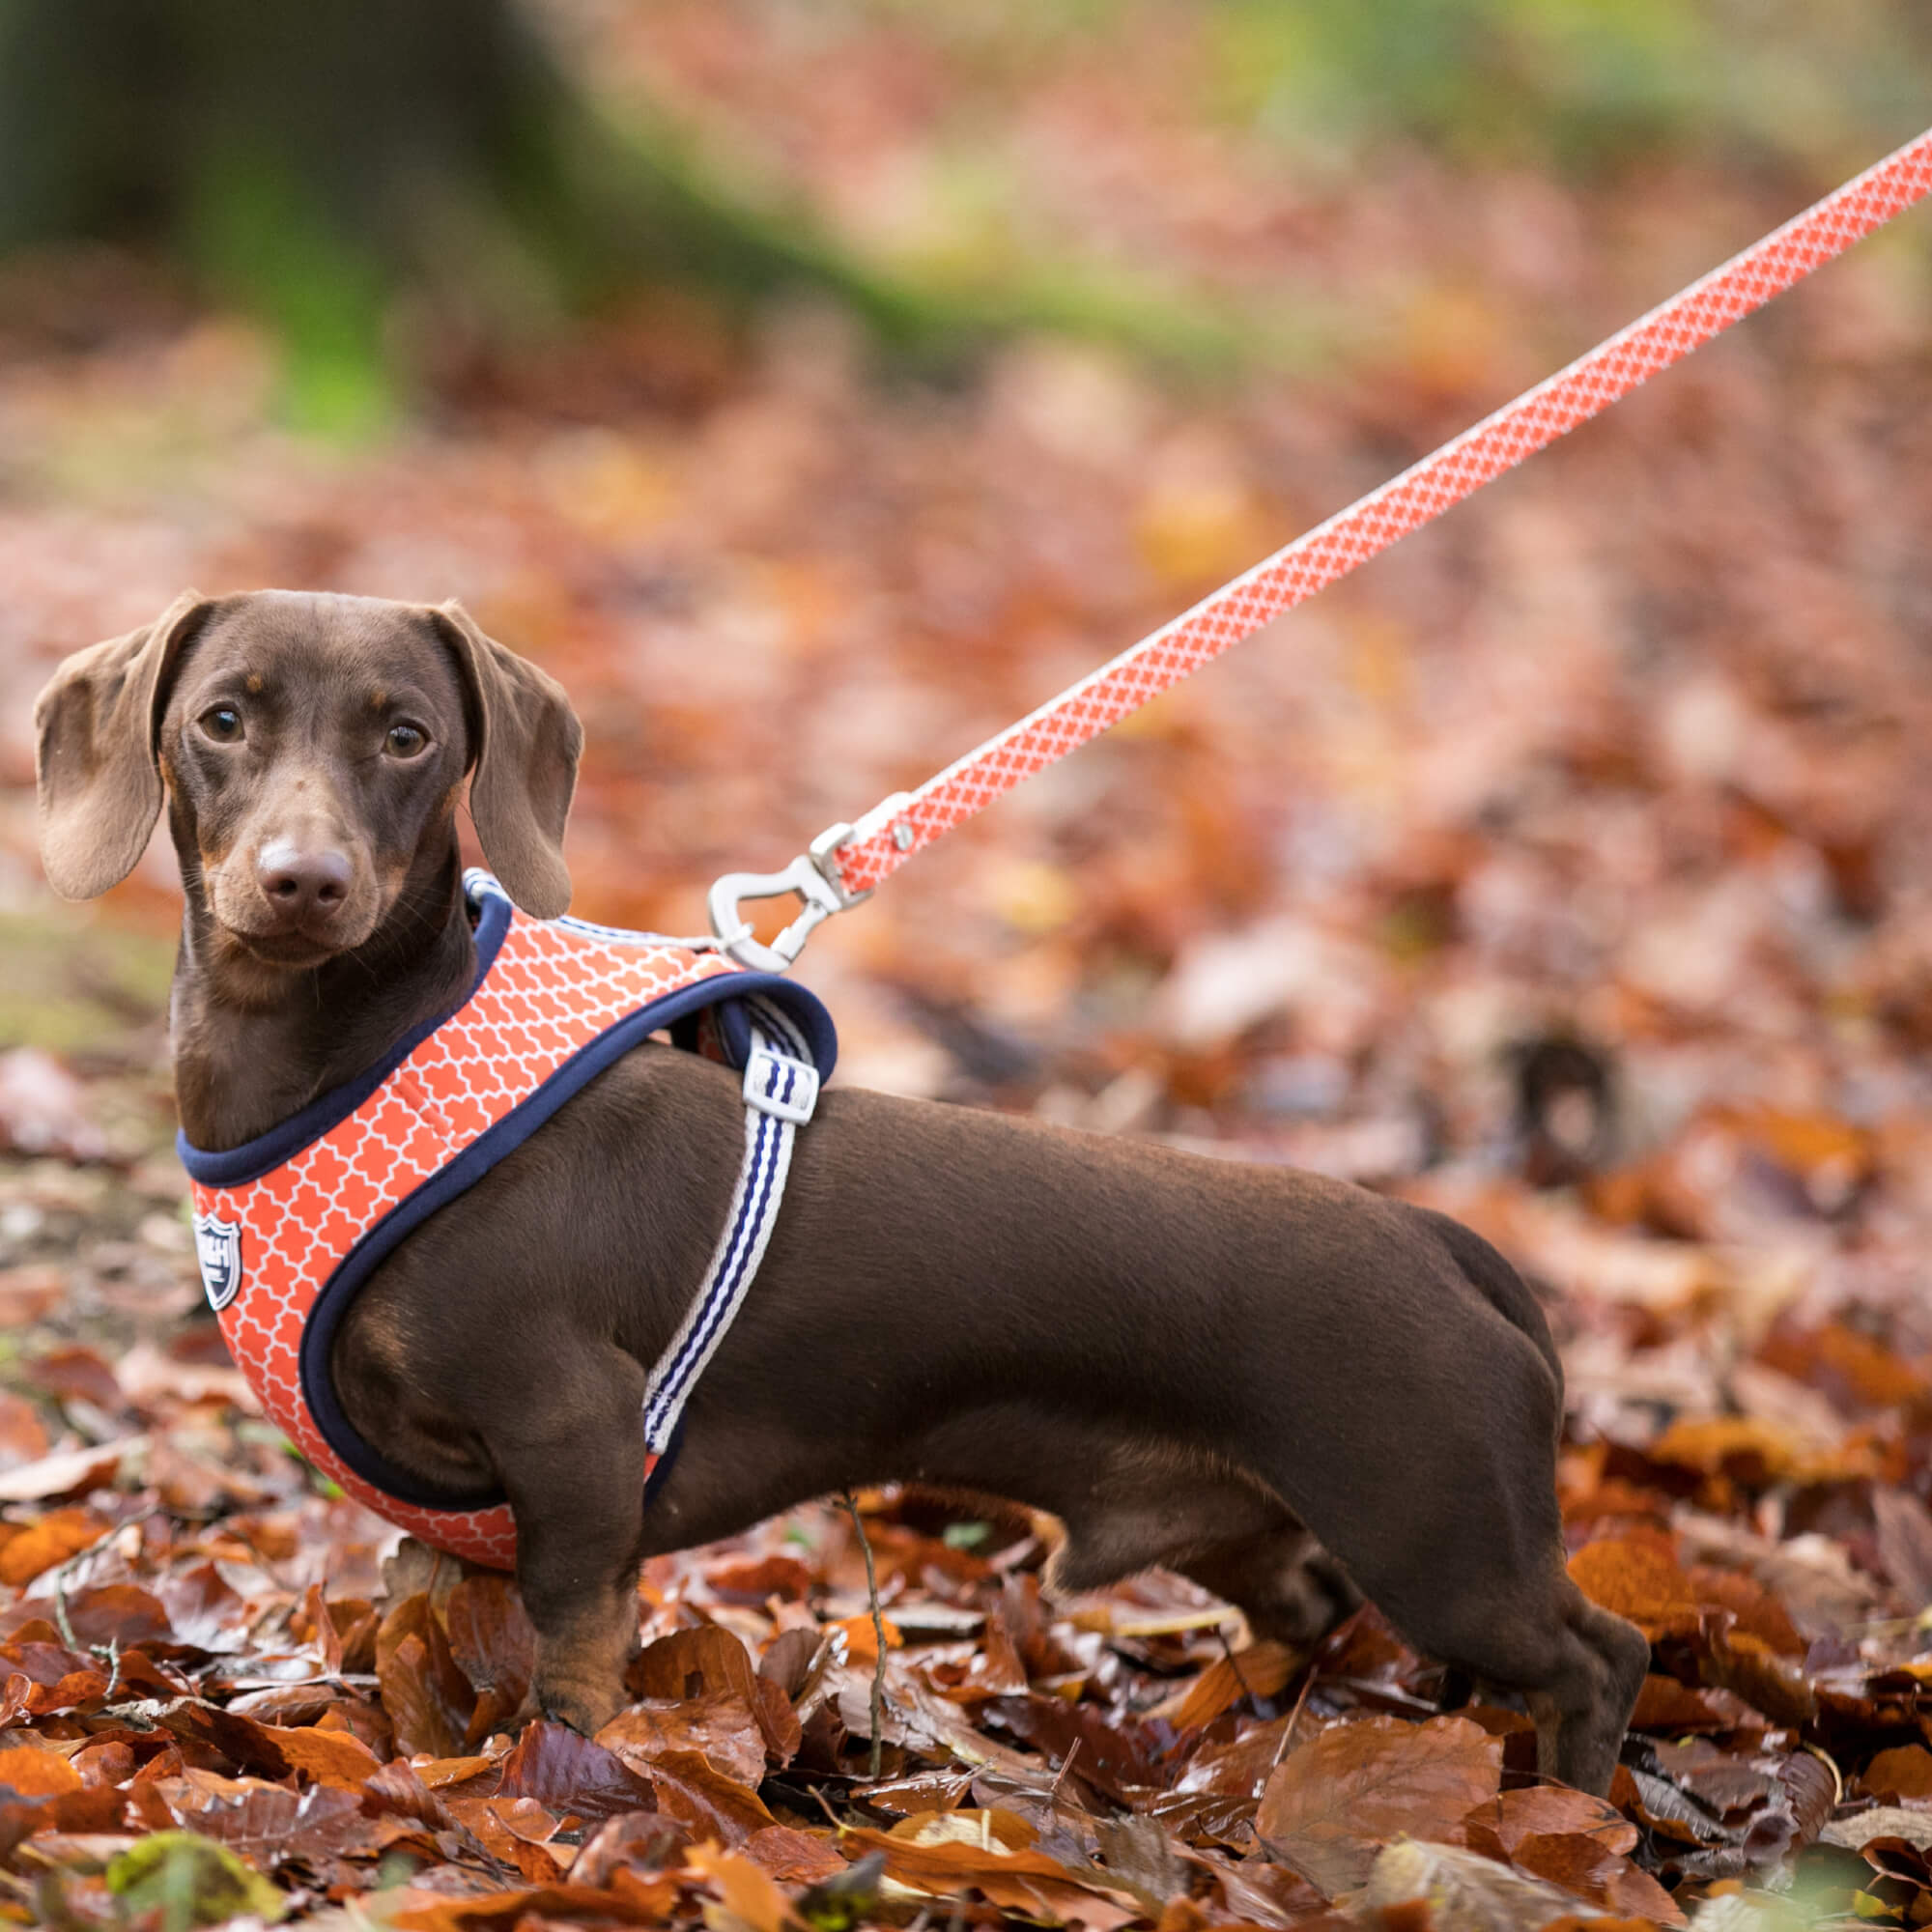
point(813, 875)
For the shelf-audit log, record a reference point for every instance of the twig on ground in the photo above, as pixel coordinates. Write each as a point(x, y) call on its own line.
point(1302, 1700)
point(878, 1634)
point(61, 1571)
point(1234, 1662)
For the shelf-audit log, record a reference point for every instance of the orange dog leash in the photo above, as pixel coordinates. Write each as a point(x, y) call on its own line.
point(845, 861)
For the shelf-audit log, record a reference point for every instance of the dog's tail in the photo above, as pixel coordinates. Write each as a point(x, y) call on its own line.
point(1506, 1291)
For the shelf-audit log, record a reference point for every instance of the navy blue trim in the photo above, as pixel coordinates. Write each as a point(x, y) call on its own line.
point(380, 1241)
point(266, 1152)
point(252, 1159)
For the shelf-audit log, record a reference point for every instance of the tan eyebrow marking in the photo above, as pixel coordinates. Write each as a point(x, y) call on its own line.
point(254, 681)
point(379, 699)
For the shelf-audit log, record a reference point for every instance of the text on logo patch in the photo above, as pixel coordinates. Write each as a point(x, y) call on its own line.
point(218, 1247)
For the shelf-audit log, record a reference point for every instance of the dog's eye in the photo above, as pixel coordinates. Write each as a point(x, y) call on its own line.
point(407, 740)
point(222, 722)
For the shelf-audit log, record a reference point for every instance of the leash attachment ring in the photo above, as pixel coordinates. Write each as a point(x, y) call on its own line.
point(813, 877)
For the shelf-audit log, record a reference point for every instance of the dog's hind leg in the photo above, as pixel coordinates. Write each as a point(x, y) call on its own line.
point(1287, 1585)
point(1209, 1520)
point(1582, 1713)
point(1527, 1627)
point(1578, 1667)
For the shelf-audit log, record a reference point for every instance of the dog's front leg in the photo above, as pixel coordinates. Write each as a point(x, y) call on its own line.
point(572, 1462)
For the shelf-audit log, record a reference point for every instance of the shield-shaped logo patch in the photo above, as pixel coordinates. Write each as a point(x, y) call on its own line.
point(218, 1247)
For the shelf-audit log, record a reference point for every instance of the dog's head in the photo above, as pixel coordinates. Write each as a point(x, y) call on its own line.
point(309, 747)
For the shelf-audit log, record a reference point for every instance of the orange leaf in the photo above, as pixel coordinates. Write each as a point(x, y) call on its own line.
point(1258, 1671)
point(440, 1773)
point(1638, 1576)
point(484, 1819)
point(722, 1728)
point(29, 1771)
point(494, 1645)
point(862, 1642)
point(329, 1757)
point(1745, 1666)
point(692, 1663)
point(58, 1534)
point(746, 1891)
point(565, 1772)
point(691, 1788)
point(942, 1853)
point(1756, 1610)
point(628, 1900)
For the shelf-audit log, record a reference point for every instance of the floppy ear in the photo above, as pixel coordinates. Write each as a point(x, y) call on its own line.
point(95, 768)
point(525, 764)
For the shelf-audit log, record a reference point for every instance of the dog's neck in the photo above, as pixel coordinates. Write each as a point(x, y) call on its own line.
point(254, 1043)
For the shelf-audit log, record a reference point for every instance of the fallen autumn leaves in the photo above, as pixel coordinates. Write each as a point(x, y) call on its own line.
point(1628, 755)
point(209, 1679)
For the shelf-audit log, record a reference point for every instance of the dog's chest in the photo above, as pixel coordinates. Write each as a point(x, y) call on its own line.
point(289, 1226)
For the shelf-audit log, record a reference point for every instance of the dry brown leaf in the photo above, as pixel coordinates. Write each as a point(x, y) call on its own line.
point(693, 1789)
point(268, 1824)
point(566, 1772)
point(29, 1769)
point(328, 1757)
point(1905, 1771)
point(1335, 1801)
point(721, 1726)
point(69, 1472)
point(428, 1698)
point(24, 1434)
point(793, 1857)
point(490, 1821)
point(494, 1645)
point(627, 1900)
point(1499, 1826)
point(692, 1663)
point(942, 1855)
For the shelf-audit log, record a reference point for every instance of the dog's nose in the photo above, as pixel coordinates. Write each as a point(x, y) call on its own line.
point(303, 885)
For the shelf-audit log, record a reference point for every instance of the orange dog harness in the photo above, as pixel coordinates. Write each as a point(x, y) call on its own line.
point(289, 1226)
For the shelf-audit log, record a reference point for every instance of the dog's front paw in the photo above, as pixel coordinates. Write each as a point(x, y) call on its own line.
point(576, 1707)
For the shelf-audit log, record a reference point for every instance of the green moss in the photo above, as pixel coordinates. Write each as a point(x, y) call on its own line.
point(70, 983)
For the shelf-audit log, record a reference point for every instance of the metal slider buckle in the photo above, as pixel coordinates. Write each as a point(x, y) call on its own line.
point(813, 875)
point(766, 1074)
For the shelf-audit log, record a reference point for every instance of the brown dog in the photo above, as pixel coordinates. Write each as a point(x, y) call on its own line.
point(1188, 1361)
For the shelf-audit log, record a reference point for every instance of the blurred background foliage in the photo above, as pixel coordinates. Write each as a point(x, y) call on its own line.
point(815, 386)
point(1577, 83)
point(363, 177)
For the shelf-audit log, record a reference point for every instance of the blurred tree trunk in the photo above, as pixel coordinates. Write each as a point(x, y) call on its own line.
point(310, 158)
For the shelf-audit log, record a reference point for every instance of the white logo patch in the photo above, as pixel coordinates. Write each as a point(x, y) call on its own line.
point(218, 1247)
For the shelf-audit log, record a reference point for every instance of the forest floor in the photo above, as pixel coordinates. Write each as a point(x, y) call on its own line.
point(1565, 871)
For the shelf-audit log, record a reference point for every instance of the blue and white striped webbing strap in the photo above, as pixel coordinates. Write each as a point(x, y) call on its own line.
point(780, 1090)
